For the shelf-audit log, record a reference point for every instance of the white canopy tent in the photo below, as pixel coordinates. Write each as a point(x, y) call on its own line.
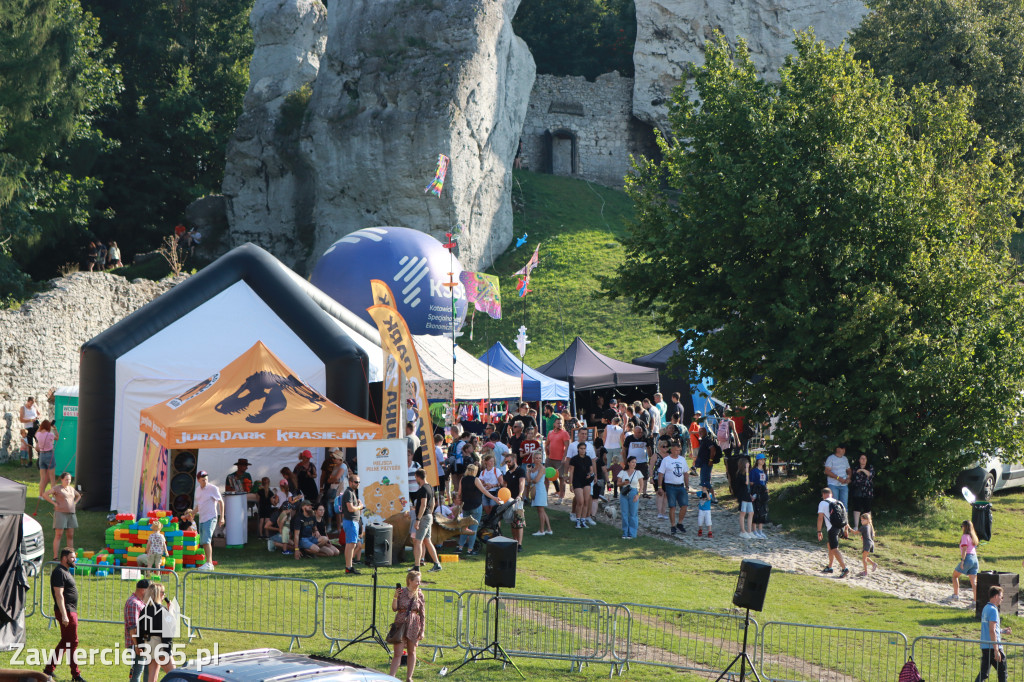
point(474, 380)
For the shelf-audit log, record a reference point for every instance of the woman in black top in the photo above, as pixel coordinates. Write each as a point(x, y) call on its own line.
point(471, 496)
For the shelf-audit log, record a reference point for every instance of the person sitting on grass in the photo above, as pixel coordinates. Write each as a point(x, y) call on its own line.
point(320, 532)
point(279, 540)
point(304, 532)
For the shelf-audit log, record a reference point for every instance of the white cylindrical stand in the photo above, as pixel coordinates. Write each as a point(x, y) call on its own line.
point(236, 522)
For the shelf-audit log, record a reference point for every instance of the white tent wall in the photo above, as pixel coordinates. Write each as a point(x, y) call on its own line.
point(471, 375)
point(188, 351)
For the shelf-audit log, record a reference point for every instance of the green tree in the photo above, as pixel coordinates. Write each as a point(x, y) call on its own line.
point(186, 71)
point(976, 43)
point(843, 244)
point(579, 37)
point(54, 79)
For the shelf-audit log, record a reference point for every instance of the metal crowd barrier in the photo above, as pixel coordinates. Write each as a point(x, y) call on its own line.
point(256, 605)
point(792, 652)
point(681, 639)
point(946, 658)
point(573, 630)
point(101, 598)
point(346, 614)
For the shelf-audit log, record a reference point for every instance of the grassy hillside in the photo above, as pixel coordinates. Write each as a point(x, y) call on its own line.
point(576, 224)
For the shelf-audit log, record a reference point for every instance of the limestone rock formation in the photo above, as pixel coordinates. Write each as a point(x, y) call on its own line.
point(399, 82)
point(671, 34)
point(267, 187)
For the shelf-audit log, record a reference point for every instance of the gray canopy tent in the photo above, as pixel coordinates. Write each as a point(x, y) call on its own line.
point(13, 587)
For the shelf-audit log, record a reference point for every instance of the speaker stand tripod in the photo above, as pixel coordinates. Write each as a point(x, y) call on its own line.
point(372, 633)
point(497, 652)
point(742, 657)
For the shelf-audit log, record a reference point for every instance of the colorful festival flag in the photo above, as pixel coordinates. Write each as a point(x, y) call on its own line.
point(530, 264)
point(483, 291)
point(522, 286)
point(437, 184)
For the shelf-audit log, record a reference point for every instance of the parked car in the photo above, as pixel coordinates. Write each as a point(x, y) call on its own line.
point(262, 665)
point(31, 545)
point(990, 475)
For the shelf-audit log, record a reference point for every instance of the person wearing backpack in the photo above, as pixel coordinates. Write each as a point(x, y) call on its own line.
point(832, 513)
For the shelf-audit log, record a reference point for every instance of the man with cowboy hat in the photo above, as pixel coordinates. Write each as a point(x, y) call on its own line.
point(240, 480)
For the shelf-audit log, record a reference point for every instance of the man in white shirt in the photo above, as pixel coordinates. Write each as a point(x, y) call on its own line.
point(837, 469)
point(824, 513)
point(613, 436)
point(674, 480)
point(209, 507)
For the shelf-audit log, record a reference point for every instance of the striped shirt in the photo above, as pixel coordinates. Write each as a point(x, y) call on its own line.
point(132, 608)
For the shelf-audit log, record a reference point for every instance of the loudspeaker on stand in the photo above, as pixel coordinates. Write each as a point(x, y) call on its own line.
point(500, 566)
point(378, 545)
point(752, 584)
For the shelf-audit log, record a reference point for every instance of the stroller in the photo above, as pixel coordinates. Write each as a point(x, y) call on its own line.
point(490, 524)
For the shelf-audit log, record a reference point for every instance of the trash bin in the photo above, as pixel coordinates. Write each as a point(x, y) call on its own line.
point(236, 526)
point(1010, 582)
point(981, 517)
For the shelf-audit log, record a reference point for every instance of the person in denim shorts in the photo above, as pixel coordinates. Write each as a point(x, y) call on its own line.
point(674, 480)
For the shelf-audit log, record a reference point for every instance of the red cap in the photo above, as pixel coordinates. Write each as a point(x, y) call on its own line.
point(305, 454)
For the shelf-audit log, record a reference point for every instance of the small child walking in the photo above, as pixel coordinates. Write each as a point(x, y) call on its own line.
point(867, 535)
point(704, 511)
point(26, 450)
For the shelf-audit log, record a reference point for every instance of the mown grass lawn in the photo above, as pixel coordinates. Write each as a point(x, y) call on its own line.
point(577, 225)
point(592, 563)
point(917, 538)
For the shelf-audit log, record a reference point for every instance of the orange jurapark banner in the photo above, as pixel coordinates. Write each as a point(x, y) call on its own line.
point(256, 401)
point(402, 366)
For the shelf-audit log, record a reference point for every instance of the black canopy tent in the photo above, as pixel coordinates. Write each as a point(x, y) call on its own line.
point(587, 370)
point(12, 580)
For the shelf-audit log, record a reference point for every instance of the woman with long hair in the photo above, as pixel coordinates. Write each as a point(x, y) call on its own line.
point(968, 561)
point(629, 504)
point(491, 478)
point(45, 438)
point(536, 475)
point(470, 497)
point(862, 490)
point(759, 493)
point(410, 610)
point(152, 627)
point(64, 498)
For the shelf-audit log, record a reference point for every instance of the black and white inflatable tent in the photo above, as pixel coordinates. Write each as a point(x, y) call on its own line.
point(194, 330)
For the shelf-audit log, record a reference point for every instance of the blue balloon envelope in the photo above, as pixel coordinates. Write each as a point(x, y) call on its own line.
point(414, 265)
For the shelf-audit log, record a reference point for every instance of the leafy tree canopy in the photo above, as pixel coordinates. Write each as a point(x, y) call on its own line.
point(843, 244)
point(186, 70)
point(55, 78)
point(579, 37)
point(976, 43)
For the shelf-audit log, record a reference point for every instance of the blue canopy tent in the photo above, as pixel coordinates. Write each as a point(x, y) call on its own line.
point(536, 386)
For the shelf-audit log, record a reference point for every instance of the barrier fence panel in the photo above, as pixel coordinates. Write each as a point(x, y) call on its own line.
point(101, 598)
point(681, 639)
point(620, 621)
point(791, 652)
point(346, 614)
point(258, 605)
point(30, 594)
point(534, 626)
point(945, 658)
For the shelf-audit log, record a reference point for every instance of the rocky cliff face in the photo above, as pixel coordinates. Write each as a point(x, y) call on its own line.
point(268, 189)
point(671, 34)
point(394, 84)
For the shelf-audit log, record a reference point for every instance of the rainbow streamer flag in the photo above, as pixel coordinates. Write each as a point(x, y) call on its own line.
point(483, 291)
point(437, 184)
point(530, 264)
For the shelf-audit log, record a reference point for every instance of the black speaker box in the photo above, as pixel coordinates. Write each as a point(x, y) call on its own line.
point(752, 584)
point(183, 480)
point(500, 567)
point(378, 545)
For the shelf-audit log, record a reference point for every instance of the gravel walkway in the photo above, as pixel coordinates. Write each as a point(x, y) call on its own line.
point(782, 551)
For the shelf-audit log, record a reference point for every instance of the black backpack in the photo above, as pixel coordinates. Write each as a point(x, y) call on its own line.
point(837, 516)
